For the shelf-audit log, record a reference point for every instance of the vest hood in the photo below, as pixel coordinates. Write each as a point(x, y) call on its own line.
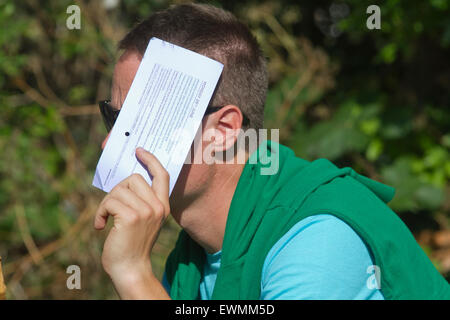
point(287, 174)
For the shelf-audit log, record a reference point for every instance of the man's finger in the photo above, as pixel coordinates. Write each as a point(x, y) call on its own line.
point(110, 206)
point(129, 197)
point(160, 182)
point(138, 185)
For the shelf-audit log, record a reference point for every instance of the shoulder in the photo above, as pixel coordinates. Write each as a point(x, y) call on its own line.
point(321, 257)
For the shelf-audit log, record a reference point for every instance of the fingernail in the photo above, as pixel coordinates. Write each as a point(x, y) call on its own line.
point(141, 151)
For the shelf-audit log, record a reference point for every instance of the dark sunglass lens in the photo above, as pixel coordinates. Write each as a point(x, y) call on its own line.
point(108, 113)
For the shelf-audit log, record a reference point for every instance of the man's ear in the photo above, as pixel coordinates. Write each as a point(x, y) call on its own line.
point(226, 124)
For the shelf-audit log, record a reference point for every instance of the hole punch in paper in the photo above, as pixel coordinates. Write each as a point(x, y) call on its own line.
point(161, 113)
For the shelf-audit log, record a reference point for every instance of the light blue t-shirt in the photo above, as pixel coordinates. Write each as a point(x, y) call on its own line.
point(320, 258)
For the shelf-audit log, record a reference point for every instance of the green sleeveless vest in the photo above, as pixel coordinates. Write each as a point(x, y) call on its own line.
point(265, 207)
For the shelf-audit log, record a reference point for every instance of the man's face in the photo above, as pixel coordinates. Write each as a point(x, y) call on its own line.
point(124, 73)
point(192, 178)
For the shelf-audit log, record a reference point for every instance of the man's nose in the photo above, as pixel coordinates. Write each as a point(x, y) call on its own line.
point(106, 140)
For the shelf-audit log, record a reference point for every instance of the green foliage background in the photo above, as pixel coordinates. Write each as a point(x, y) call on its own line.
point(376, 100)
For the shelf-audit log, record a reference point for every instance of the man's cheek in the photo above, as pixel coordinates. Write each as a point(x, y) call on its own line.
point(105, 141)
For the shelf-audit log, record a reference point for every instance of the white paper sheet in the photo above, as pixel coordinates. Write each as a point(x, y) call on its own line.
point(161, 113)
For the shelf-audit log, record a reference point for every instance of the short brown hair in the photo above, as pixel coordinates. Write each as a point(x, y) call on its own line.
point(219, 35)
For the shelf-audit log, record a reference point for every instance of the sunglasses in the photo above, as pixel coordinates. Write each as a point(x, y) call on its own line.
point(110, 114)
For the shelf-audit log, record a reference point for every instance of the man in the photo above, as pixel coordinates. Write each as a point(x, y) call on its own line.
point(307, 231)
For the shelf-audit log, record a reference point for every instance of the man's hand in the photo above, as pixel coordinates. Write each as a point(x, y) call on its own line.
point(139, 211)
